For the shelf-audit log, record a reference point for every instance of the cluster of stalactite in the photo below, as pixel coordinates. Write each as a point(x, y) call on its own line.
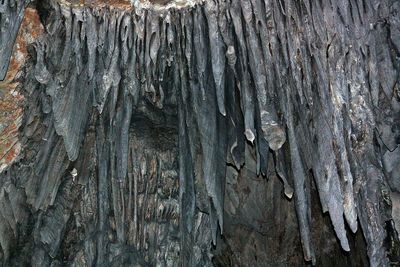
point(307, 89)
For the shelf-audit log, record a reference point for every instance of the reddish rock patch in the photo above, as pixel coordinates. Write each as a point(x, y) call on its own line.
point(10, 99)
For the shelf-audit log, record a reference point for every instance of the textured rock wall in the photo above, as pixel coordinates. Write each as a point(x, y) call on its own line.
point(11, 101)
point(227, 133)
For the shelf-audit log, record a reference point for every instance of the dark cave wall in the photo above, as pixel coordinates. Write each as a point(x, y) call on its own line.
point(230, 133)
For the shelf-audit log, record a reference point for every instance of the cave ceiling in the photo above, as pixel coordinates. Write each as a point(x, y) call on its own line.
point(199, 133)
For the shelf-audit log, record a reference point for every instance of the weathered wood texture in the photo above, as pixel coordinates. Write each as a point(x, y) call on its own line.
point(222, 133)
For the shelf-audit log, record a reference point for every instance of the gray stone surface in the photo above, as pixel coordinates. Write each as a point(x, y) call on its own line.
point(177, 137)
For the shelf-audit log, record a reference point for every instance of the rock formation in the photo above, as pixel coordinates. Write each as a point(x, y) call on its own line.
point(200, 133)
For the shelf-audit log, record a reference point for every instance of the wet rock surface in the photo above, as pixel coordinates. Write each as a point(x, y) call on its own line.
point(215, 133)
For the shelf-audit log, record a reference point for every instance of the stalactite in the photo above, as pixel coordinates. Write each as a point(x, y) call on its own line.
point(126, 105)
